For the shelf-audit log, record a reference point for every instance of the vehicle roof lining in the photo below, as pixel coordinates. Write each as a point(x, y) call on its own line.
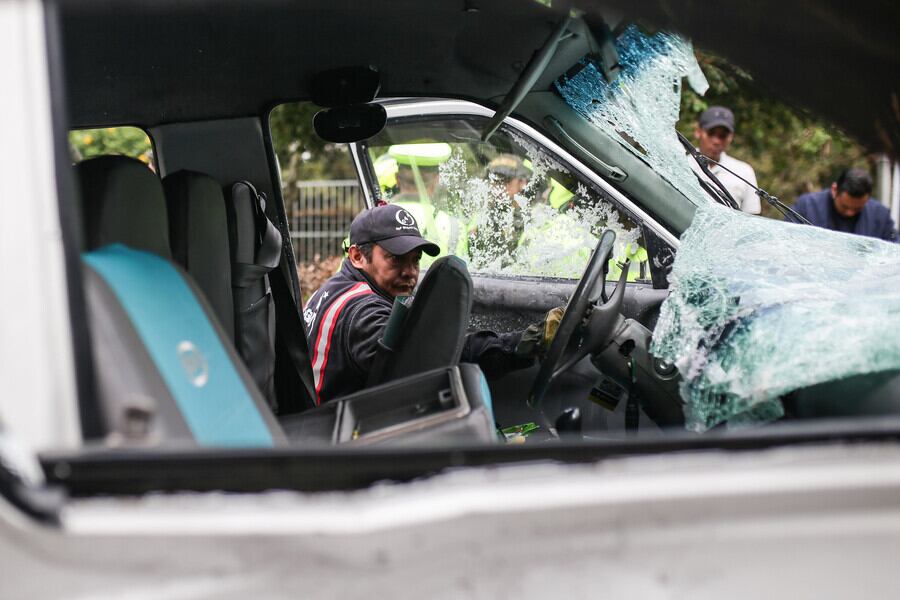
point(839, 60)
point(135, 63)
point(132, 62)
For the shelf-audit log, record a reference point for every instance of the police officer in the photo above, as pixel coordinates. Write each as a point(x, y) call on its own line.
point(497, 232)
point(416, 179)
point(345, 318)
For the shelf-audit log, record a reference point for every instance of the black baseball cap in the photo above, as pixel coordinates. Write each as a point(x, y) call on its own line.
point(393, 228)
point(717, 116)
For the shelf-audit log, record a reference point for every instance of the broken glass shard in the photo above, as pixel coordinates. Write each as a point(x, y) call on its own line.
point(759, 308)
point(640, 107)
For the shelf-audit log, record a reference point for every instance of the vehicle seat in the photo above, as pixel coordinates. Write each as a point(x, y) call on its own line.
point(434, 330)
point(198, 232)
point(166, 370)
point(228, 246)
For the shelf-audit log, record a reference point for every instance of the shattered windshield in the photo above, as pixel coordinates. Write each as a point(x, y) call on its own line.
point(506, 206)
point(772, 308)
point(758, 309)
point(639, 108)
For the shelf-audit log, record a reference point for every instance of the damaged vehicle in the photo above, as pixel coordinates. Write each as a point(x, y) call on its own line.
point(722, 394)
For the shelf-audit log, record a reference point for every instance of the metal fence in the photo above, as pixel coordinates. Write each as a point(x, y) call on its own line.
point(320, 213)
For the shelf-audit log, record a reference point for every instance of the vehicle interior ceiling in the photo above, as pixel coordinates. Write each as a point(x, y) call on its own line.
point(204, 86)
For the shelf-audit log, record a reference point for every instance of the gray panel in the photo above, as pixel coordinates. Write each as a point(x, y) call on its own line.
point(135, 402)
point(228, 150)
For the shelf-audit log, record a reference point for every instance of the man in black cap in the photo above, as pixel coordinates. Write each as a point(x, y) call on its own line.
point(345, 318)
point(714, 133)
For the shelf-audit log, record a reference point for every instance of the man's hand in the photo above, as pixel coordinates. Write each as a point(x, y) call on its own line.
point(536, 339)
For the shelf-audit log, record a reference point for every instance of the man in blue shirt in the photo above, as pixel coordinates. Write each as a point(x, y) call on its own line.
point(848, 206)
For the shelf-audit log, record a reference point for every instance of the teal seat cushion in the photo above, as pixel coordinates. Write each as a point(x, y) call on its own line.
point(188, 352)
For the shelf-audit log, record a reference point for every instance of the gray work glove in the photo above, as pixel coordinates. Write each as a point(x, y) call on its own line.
point(537, 337)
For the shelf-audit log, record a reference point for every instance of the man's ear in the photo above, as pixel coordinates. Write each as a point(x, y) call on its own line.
point(834, 191)
point(697, 132)
point(357, 259)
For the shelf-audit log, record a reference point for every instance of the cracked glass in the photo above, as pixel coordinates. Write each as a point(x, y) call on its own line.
point(506, 206)
point(640, 107)
point(757, 308)
point(760, 308)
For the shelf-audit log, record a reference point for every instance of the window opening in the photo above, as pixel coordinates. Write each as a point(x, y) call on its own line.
point(320, 189)
point(124, 141)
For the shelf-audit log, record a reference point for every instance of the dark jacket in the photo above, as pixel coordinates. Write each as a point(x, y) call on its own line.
point(344, 320)
point(874, 220)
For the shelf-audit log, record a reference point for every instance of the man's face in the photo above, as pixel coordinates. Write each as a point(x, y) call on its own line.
point(712, 142)
point(515, 186)
point(396, 275)
point(847, 205)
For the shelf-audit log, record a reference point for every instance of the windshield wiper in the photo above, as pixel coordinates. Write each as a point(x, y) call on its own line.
point(720, 195)
point(703, 160)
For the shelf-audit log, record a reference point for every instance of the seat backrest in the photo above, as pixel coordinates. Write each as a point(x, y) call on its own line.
point(198, 232)
point(123, 203)
point(434, 330)
point(166, 369)
point(224, 241)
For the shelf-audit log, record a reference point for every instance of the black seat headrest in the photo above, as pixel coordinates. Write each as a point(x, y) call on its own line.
point(123, 202)
point(434, 331)
point(198, 234)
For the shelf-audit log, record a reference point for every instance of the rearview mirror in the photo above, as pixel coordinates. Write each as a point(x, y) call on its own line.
point(344, 124)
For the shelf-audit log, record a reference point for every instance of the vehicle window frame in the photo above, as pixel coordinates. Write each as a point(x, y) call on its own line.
point(426, 110)
point(153, 164)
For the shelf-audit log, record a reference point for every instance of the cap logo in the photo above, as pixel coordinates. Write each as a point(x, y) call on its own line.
point(405, 219)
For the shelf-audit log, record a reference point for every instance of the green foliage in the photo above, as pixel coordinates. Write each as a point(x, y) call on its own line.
point(791, 151)
point(128, 141)
point(302, 154)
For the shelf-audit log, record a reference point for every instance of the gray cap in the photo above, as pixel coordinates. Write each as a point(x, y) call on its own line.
point(393, 228)
point(717, 116)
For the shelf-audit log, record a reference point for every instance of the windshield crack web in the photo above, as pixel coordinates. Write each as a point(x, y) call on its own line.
point(640, 107)
point(772, 308)
point(530, 236)
point(757, 308)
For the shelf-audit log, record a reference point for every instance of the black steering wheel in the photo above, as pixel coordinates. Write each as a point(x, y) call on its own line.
point(567, 348)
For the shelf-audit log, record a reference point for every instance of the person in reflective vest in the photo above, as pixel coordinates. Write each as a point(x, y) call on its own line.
point(559, 241)
point(497, 229)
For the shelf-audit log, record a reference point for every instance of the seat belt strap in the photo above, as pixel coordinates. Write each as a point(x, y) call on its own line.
point(293, 366)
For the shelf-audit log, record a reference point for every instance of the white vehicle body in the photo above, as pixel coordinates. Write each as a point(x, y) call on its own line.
point(814, 521)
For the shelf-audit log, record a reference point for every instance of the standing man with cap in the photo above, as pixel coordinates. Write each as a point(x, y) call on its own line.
point(345, 318)
point(714, 133)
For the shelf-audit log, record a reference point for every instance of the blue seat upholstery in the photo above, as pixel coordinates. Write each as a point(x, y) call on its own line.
point(166, 369)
